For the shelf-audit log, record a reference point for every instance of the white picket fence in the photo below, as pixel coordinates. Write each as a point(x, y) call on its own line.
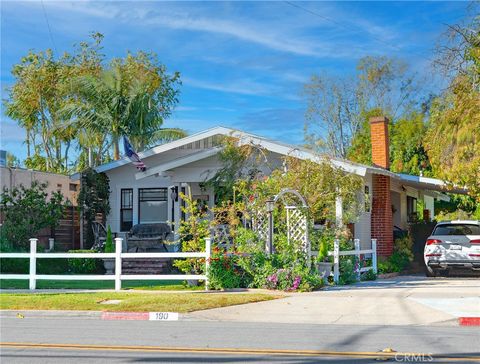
point(357, 252)
point(118, 277)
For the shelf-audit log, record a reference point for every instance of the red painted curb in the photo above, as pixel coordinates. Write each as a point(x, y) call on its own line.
point(125, 315)
point(469, 321)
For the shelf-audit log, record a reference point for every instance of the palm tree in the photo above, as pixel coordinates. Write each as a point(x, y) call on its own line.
point(112, 106)
point(146, 119)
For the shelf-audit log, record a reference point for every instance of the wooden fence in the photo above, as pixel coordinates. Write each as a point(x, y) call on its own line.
point(118, 277)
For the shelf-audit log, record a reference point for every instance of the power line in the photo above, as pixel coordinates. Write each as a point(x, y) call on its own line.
point(48, 27)
point(356, 30)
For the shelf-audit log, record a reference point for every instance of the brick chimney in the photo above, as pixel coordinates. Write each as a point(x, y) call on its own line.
point(380, 141)
point(381, 217)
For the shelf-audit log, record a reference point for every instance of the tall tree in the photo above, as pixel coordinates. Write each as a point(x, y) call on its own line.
point(339, 107)
point(36, 101)
point(132, 97)
point(453, 137)
point(333, 114)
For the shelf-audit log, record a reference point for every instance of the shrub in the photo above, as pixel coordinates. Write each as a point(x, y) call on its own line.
point(22, 265)
point(404, 246)
point(278, 271)
point(224, 272)
point(298, 278)
point(26, 211)
point(109, 248)
point(83, 265)
point(193, 232)
point(369, 275)
point(400, 259)
point(347, 271)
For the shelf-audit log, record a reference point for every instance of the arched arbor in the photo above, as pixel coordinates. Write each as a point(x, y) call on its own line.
point(296, 209)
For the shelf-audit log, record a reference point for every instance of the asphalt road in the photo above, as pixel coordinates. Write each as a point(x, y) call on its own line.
point(96, 341)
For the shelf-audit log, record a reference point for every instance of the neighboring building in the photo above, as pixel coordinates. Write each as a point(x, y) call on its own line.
point(14, 177)
point(67, 233)
point(152, 196)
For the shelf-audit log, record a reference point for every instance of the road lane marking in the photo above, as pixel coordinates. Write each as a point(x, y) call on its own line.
point(230, 351)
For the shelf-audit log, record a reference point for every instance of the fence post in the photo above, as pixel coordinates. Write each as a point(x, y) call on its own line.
point(357, 254)
point(33, 263)
point(118, 264)
point(208, 252)
point(336, 254)
point(374, 255)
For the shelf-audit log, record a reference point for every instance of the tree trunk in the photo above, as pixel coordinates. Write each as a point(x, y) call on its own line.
point(28, 142)
point(116, 151)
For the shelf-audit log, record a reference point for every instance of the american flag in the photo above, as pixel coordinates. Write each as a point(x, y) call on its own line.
point(130, 153)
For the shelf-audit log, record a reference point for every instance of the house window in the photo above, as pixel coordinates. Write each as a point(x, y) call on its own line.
point(126, 209)
point(412, 215)
point(152, 205)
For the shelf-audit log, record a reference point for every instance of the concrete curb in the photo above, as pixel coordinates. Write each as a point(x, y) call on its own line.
point(96, 315)
point(146, 316)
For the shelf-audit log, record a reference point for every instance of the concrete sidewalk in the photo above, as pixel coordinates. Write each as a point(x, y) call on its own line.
point(404, 300)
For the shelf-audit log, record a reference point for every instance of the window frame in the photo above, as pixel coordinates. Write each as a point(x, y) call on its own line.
point(122, 208)
point(140, 190)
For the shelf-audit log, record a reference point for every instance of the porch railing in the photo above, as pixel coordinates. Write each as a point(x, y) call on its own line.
point(357, 252)
point(336, 253)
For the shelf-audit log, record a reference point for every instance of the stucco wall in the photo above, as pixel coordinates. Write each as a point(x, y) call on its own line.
point(10, 177)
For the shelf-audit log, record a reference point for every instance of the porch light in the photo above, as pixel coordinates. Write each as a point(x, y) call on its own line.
point(270, 205)
point(174, 194)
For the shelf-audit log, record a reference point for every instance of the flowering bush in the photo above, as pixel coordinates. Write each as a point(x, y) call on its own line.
point(193, 232)
point(285, 280)
point(224, 271)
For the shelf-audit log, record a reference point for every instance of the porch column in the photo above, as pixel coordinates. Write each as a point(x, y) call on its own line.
point(339, 211)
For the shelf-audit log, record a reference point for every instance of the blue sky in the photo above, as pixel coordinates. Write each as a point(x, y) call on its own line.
point(243, 64)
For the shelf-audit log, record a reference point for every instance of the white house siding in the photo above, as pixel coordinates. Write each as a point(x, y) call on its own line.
point(124, 177)
point(429, 205)
point(362, 226)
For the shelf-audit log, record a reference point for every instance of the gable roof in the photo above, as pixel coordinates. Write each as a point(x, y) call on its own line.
point(275, 147)
point(248, 138)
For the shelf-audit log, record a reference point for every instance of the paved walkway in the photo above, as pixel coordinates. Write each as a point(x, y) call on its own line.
point(405, 300)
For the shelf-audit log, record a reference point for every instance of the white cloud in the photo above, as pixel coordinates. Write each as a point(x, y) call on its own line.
point(242, 86)
point(288, 35)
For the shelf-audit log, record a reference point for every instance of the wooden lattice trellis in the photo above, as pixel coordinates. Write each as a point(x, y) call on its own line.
point(297, 223)
point(297, 227)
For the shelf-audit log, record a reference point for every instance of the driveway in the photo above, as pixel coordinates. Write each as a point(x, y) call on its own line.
point(404, 300)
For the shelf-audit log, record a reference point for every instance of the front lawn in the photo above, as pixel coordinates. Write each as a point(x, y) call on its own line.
point(129, 301)
point(52, 284)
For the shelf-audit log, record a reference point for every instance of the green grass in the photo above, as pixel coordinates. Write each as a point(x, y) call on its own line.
point(52, 284)
point(130, 301)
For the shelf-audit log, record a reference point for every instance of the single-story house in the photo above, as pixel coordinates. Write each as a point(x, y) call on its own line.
point(184, 165)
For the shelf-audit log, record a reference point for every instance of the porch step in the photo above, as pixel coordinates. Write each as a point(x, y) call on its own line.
point(145, 266)
point(143, 271)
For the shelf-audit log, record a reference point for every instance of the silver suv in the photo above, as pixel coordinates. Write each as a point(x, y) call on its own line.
point(453, 244)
